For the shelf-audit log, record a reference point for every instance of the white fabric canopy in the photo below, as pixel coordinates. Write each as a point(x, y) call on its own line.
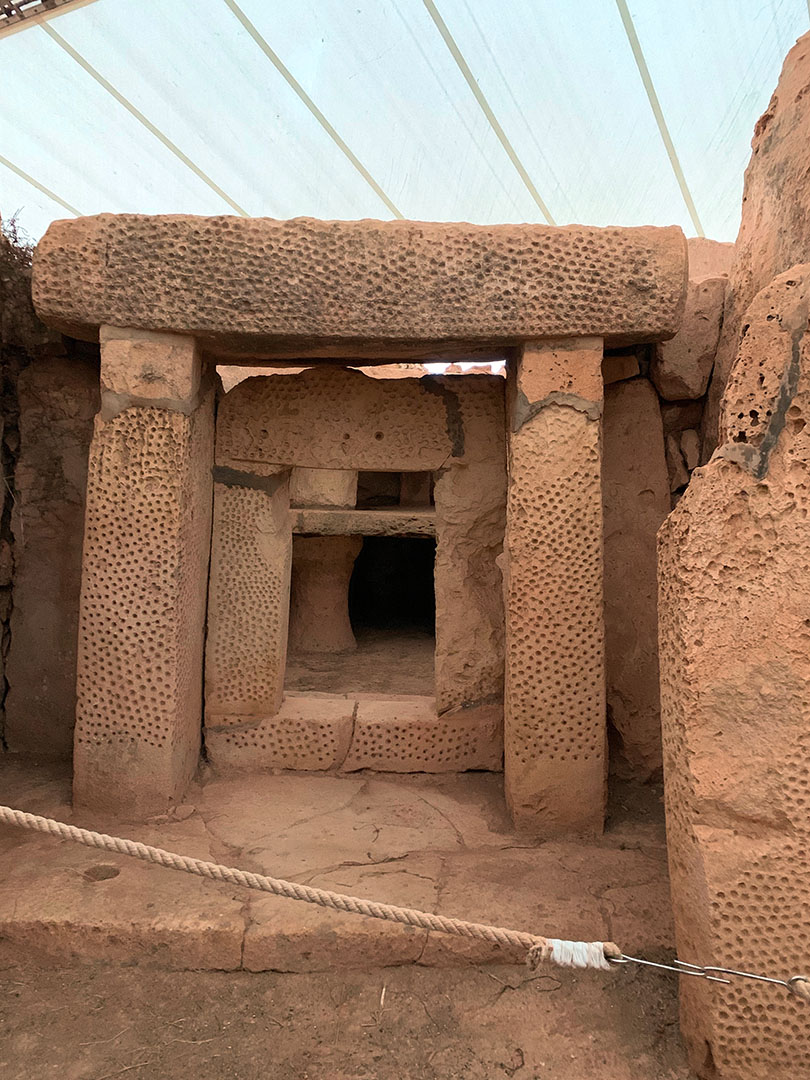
point(558, 78)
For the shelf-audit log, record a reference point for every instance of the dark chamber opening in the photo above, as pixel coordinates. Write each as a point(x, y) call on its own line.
point(392, 585)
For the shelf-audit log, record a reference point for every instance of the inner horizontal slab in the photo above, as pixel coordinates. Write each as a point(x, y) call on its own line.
point(378, 522)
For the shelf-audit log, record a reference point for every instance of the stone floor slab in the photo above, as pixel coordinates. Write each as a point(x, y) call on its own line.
point(435, 843)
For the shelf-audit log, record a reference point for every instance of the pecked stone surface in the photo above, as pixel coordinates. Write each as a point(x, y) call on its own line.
point(734, 618)
point(247, 286)
point(775, 227)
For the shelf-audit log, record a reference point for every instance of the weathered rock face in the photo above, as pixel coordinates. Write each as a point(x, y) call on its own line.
point(708, 258)
point(635, 492)
point(735, 695)
point(681, 367)
point(58, 398)
point(775, 229)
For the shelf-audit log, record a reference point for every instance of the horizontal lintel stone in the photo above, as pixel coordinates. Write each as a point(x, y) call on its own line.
point(261, 287)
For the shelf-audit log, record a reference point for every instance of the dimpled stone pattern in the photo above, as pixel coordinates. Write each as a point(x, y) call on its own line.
point(243, 285)
point(307, 733)
point(555, 697)
point(249, 601)
point(331, 418)
point(734, 580)
point(408, 736)
point(142, 612)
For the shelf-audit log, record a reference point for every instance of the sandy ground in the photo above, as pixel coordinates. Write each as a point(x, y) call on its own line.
point(476, 1023)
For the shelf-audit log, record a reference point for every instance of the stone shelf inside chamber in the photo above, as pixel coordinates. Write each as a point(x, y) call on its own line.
point(393, 521)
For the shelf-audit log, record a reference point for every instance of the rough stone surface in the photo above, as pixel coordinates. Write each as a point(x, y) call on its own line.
point(307, 732)
point(147, 368)
point(142, 612)
point(679, 415)
point(470, 500)
point(676, 466)
point(681, 367)
point(331, 418)
point(319, 593)
point(58, 398)
point(635, 491)
point(775, 227)
point(388, 733)
point(317, 488)
point(253, 285)
point(408, 736)
point(555, 735)
point(248, 598)
point(734, 695)
point(621, 366)
point(690, 448)
point(709, 258)
point(327, 418)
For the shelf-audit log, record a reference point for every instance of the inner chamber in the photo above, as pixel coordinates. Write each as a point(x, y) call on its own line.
point(375, 632)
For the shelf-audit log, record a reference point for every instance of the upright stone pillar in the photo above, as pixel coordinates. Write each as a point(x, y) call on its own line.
point(319, 600)
point(555, 737)
point(144, 579)
point(322, 565)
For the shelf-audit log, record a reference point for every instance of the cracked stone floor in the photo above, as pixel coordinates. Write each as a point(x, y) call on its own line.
point(112, 967)
point(442, 844)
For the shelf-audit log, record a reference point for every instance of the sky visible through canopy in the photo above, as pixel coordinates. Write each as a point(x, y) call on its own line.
point(377, 117)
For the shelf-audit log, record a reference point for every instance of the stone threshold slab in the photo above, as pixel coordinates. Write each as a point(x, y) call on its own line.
point(348, 732)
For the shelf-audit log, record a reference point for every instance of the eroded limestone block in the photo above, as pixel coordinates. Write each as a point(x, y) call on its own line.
point(709, 258)
point(323, 487)
point(555, 735)
point(142, 613)
point(735, 697)
point(470, 503)
point(409, 736)
point(249, 285)
point(332, 418)
point(143, 367)
point(635, 490)
point(319, 594)
point(249, 594)
point(775, 225)
point(676, 466)
point(307, 732)
point(58, 399)
point(681, 367)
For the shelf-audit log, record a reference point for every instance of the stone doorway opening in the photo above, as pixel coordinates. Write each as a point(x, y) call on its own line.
point(379, 635)
point(392, 607)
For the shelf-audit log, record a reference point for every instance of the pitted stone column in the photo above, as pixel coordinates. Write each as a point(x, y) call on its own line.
point(555, 733)
point(322, 565)
point(249, 594)
point(319, 600)
point(145, 568)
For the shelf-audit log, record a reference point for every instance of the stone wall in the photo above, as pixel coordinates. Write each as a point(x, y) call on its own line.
point(735, 696)
point(49, 397)
point(653, 408)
